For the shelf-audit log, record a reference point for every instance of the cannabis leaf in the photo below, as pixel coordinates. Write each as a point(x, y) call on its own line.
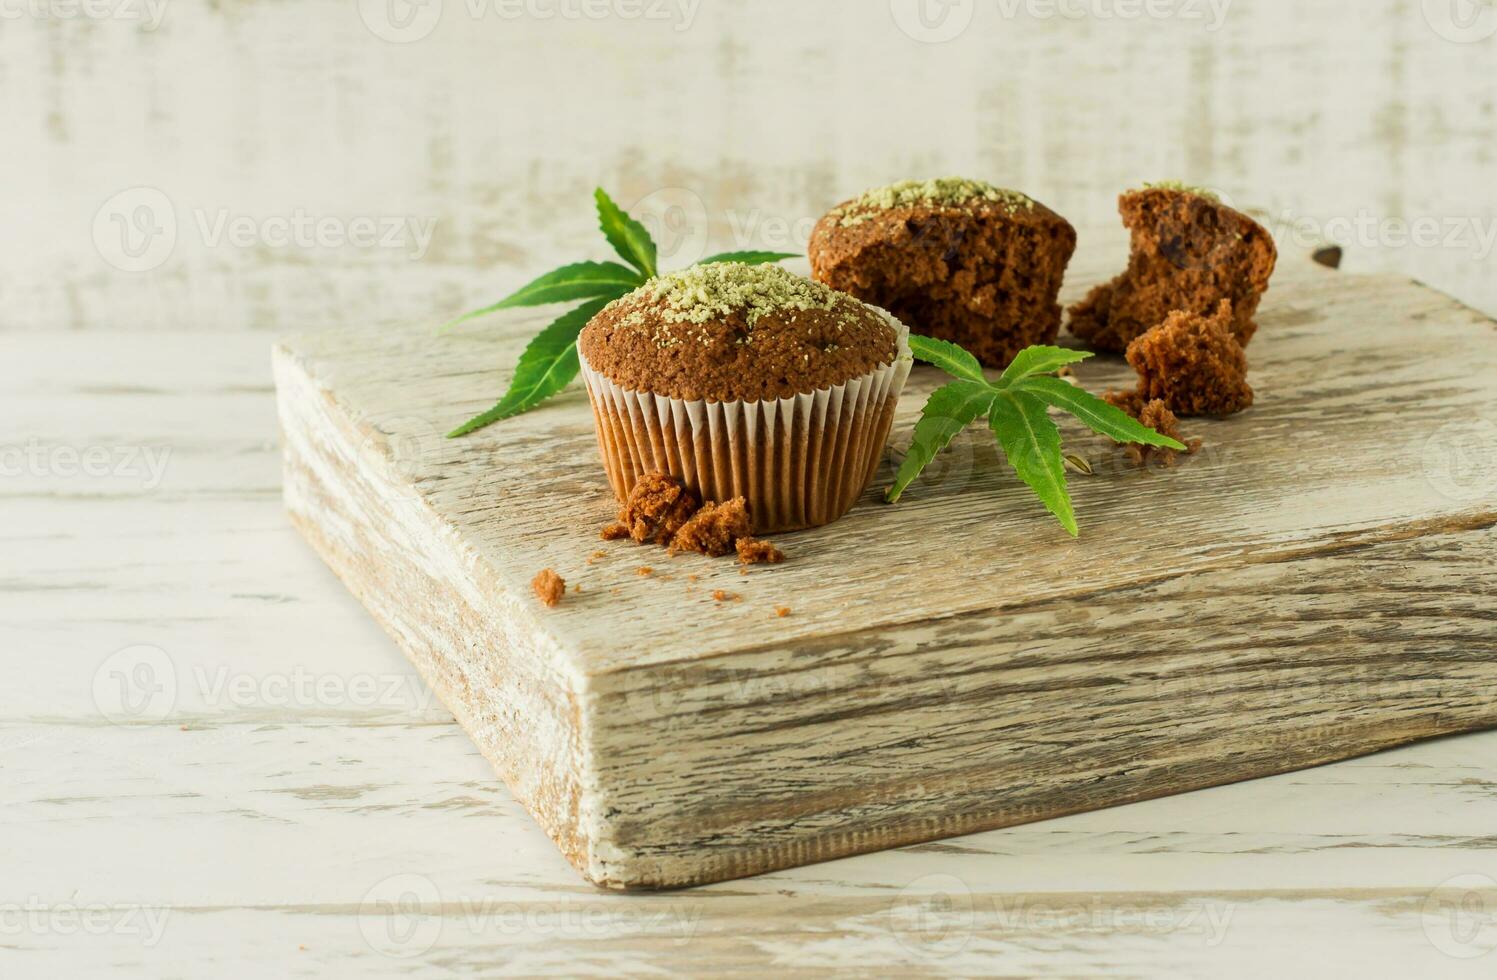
point(627, 236)
point(580, 281)
point(747, 258)
point(550, 363)
point(1017, 407)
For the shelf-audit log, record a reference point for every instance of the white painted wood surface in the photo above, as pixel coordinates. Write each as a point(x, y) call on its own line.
point(270, 820)
point(265, 825)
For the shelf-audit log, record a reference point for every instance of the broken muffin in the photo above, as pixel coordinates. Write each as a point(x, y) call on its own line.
point(957, 259)
point(1189, 252)
point(1193, 364)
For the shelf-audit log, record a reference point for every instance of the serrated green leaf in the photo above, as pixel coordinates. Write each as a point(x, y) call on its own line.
point(749, 258)
point(954, 360)
point(1099, 416)
point(581, 280)
point(627, 236)
point(1031, 442)
point(548, 365)
point(1040, 359)
point(950, 409)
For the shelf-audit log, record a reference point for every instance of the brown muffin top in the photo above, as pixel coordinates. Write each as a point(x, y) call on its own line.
point(922, 214)
point(728, 331)
point(944, 192)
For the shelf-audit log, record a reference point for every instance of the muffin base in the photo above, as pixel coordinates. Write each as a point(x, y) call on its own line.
point(800, 462)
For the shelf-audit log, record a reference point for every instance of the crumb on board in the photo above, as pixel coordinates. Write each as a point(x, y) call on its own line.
point(722, 595)
point(644, 570)
point(549, 587)
point(714, 530)
point(617, 531)
point(657, 508)
point(1155, 414)
point(782, 611)
point(755, 552)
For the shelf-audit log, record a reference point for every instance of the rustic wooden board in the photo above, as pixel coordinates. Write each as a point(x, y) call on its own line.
point(1316, 585)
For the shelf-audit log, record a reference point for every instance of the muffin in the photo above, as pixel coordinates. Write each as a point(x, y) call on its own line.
point(1190, 251)
point(957, 259)
point(746, 381)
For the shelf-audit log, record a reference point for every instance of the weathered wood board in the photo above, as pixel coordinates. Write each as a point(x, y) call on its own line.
point(1318, 583)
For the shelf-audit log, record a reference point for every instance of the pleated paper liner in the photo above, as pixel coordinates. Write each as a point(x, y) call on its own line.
point(799, 462)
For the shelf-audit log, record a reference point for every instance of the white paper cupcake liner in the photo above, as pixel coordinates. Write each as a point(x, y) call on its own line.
point(799, 462)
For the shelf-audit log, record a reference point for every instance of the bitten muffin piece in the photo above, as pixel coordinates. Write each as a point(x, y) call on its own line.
point(1193, 364)
point(1189, 253)
point(957, 259)
point(715, 529)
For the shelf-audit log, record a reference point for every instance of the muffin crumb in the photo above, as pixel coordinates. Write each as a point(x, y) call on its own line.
point(644, 570)
point(616, 531)
point(715, 529)
point(754, 552)
point(549, 587)
point(722, 595)
point(657, 508)
point(782, 611)
point(1193, 364)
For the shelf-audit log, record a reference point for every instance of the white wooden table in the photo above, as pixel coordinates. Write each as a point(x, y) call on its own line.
point(215, 763)
point(284, 798)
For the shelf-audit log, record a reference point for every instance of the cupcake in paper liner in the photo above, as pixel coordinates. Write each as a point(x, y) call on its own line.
point(746, 381)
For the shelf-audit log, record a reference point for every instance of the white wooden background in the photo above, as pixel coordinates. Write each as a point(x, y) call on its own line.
point(212, 762)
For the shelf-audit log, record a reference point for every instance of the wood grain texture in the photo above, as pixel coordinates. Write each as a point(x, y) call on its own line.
point(260, 830)
point(1251, 612)
point(1337, 119)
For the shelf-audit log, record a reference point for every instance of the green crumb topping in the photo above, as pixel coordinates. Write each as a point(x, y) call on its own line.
point(708, 292)
point(941, 192)
point(1180, 185)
